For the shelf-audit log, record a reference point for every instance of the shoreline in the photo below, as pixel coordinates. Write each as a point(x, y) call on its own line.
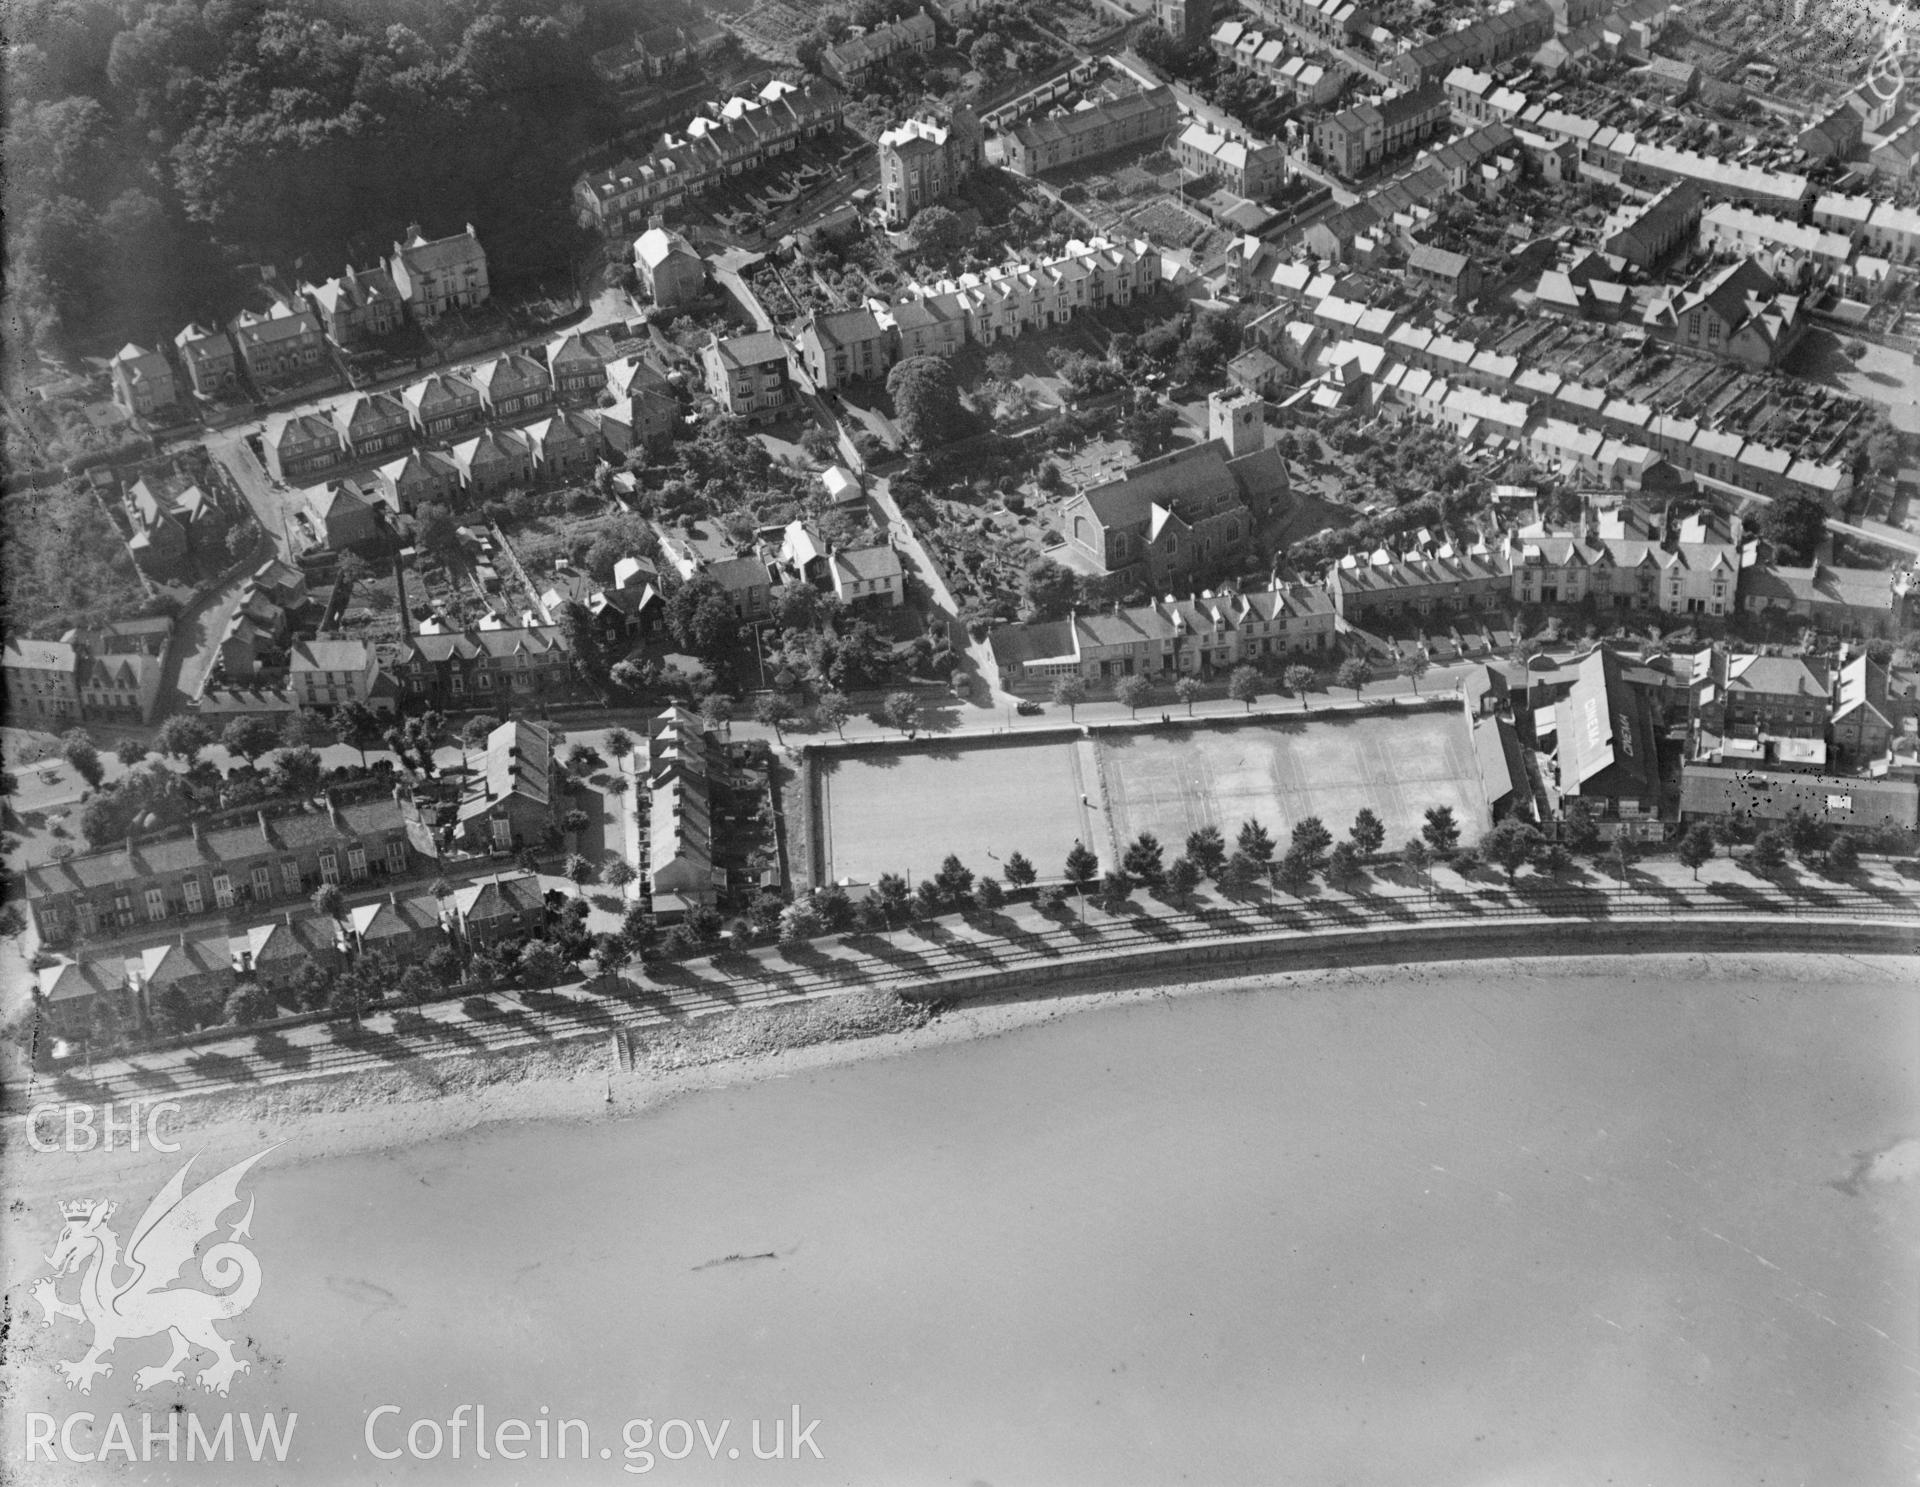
point(363, 1113)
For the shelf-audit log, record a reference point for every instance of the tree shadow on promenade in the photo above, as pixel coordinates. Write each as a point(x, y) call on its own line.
point(894, 955)
point(1372, 899)
point(589, 1013)
point(363, 1039)
point(1745, 896)
point(1016, 934)
point(1453, 901)
point(681, 976)
point(1562, 900)
point(277, 1049)
point(155, 1079)
point(1808, 892)
point(77, 1088)
point(1156, 927)
point(437, 1030)
point(224, 1067)
point(506, 1017)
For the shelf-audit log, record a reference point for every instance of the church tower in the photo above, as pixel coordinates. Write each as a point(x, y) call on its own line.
point(1238, 420)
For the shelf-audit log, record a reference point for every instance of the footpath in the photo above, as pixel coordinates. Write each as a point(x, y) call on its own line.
point(1388, 916)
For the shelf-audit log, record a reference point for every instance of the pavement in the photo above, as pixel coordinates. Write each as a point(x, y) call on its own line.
point(1018, 940)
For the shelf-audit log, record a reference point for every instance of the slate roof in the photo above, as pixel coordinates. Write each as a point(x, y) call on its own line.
point(749, 351)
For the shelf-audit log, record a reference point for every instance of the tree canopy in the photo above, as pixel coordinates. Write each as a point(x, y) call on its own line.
point(926, 400)
point(701, 618)
point(1794, 524)
point(156, 147)
point(937, 233)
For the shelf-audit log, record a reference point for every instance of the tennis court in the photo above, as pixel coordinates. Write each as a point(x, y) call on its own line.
point(903, 811)
point(1276, 773)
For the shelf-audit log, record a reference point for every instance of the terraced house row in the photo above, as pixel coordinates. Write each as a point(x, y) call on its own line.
point(1406, 368)
point(1476, 97)
point(1199, 635)
point(204, 968)
point(1621, 557)
point(985, 307)
point(726, 139)
point(257, 858)
point(571, 371)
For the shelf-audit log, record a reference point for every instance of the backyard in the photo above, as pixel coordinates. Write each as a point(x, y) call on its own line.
point(65, 563)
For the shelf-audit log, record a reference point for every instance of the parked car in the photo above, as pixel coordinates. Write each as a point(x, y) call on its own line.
point(1029, 709)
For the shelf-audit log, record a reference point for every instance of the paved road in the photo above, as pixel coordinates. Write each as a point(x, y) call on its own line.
point(1016, 939)
point(919, 561)
point(272, 508)
point(196, 638)
point(726, 273)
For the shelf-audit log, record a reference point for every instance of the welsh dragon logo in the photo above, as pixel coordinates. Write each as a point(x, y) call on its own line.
point(146, 1302)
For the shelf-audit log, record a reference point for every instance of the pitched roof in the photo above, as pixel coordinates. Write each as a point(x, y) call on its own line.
point(1036, 132)
point(425, 254)
point(1424, 259)
point(1194, 478)
point(40, 655)
point(81, 980)
point(1605, 729)
point(277, 325)
point(393, 917)
point(845, 327)
point(504, 894)
point(468, 644)
point(328, 655)
point(869, 564)
point(654, 246)
point(743, 352)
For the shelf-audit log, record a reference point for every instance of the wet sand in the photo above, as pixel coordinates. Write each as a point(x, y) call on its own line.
point(1576, 1221)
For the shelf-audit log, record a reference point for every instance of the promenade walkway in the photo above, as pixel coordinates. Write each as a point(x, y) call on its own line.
point(1389, 915)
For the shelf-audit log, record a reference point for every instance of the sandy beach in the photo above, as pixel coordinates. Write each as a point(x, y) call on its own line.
point(581, 1082)
point(1607, 1218)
